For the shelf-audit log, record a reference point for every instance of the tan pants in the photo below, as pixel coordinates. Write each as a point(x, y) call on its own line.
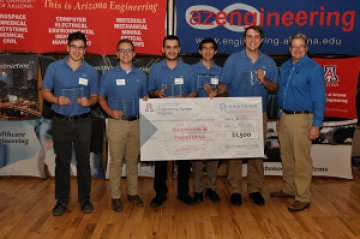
point(211, 174)
point(255, 171)
point(295, 148)
point(123, 138)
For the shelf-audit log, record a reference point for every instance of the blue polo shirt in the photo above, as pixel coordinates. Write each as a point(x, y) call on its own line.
point(60, 78)
point(120, 87)
point(200, 69)
point(239, 68)
point(302, 87)
point(160, 74)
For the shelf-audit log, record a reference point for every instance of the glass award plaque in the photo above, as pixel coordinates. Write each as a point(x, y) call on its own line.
point(73, 93)
point(172, 90)
point(125, 106)
point(204, 79)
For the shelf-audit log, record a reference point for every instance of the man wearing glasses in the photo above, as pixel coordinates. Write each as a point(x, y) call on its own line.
point(178, 76)
point(119, 93)
point(302, 100)
point(208, 74)
point(248, 73)
point(74, 84)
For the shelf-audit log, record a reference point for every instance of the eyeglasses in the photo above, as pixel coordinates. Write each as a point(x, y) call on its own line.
point(298, 47)
point(205, 48)
point(75, 47)
point(256, 37)
point(123, 50)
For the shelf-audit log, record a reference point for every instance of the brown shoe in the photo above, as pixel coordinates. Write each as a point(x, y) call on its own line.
point(281, 194)
point(117, 205)
point(298, 206)
point(136, 200)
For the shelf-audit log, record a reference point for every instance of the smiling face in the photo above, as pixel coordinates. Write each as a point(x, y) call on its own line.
point(207, 51)
point(298, 49)
point(76, 50)
point(125, 52)
point(253, 40)
point(171, 49)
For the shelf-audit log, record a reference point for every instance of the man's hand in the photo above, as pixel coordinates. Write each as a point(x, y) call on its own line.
point(260, 75)
point(145, 98)
point(115, 114)
point(160, 93)
point(83, 101)
point(209, 91)
point(62, 100)
point(313, 133)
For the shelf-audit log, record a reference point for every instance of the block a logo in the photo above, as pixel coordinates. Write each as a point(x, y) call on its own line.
point(149, 107)
point(330, 74)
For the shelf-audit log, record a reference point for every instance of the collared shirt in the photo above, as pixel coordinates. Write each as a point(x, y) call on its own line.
point(241, 80)
point(123, 90)
point(200, 70)
point(302, 87)
point(181, 75)
point(82, 82)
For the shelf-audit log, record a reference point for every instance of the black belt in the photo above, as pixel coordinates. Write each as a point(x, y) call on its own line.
point(130, 118)
point(289, 112)
point(74, 117)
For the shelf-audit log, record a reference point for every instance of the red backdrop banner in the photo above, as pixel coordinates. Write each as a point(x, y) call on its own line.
point(43, 25)
point(341, 78)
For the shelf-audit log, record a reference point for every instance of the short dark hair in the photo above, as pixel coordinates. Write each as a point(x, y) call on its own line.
point(255, 28)
point(171, 37)
point(208, 40)
point(76, 36)
point(125, 40)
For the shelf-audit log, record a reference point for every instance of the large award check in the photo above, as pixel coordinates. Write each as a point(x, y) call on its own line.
point(201, 128)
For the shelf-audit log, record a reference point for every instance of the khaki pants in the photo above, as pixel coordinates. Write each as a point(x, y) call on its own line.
point(124, 140)
point(255, 171)
point(211, 174)
point(295, 148)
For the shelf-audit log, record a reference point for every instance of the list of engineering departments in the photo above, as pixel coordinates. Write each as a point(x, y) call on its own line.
point(132, 29)
point(64, 26)
point(12, 27)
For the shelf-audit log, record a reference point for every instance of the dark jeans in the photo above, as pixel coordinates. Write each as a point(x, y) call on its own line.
point(66, 134)
point(160, 186)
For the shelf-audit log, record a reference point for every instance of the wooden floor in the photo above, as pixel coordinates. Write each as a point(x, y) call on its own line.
point(26, 205)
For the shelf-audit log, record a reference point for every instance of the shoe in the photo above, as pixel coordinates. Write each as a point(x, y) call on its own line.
point(257, 198)
point(298, 206)
point(136, 200)
point(186, 199)
point(281, 194)
point(157, 201)
point(87, 207)
point(235, 199)
point(198, 197)
point(60, 208)
point(212, 195)
point(116, 205)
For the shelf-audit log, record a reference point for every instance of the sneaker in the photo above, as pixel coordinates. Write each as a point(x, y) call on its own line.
point(214, 197)
point(157, 201)
point(136, 200)
point(60, 208)
point(87, 207)
point(116, 205)
point(235, 199)
point(198, 197)
point(257, 198)
point(186, 199)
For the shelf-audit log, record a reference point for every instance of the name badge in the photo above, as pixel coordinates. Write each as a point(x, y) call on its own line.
point(178, 81)
point(214, 81)
point(120, 82)
point(83, 81)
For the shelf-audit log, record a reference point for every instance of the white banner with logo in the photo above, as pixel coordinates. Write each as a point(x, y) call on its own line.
point(201, 128)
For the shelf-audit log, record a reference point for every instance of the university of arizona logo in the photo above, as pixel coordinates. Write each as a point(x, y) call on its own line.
point(149, 108)
point(330, 74)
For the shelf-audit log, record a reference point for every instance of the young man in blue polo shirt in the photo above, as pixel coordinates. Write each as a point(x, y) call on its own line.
point(179, 76)
point(207, 73)
point(249, 73)
point(119, 93)
point(74, 84)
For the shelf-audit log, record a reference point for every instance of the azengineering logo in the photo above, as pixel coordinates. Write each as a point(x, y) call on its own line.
point(238, 16)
